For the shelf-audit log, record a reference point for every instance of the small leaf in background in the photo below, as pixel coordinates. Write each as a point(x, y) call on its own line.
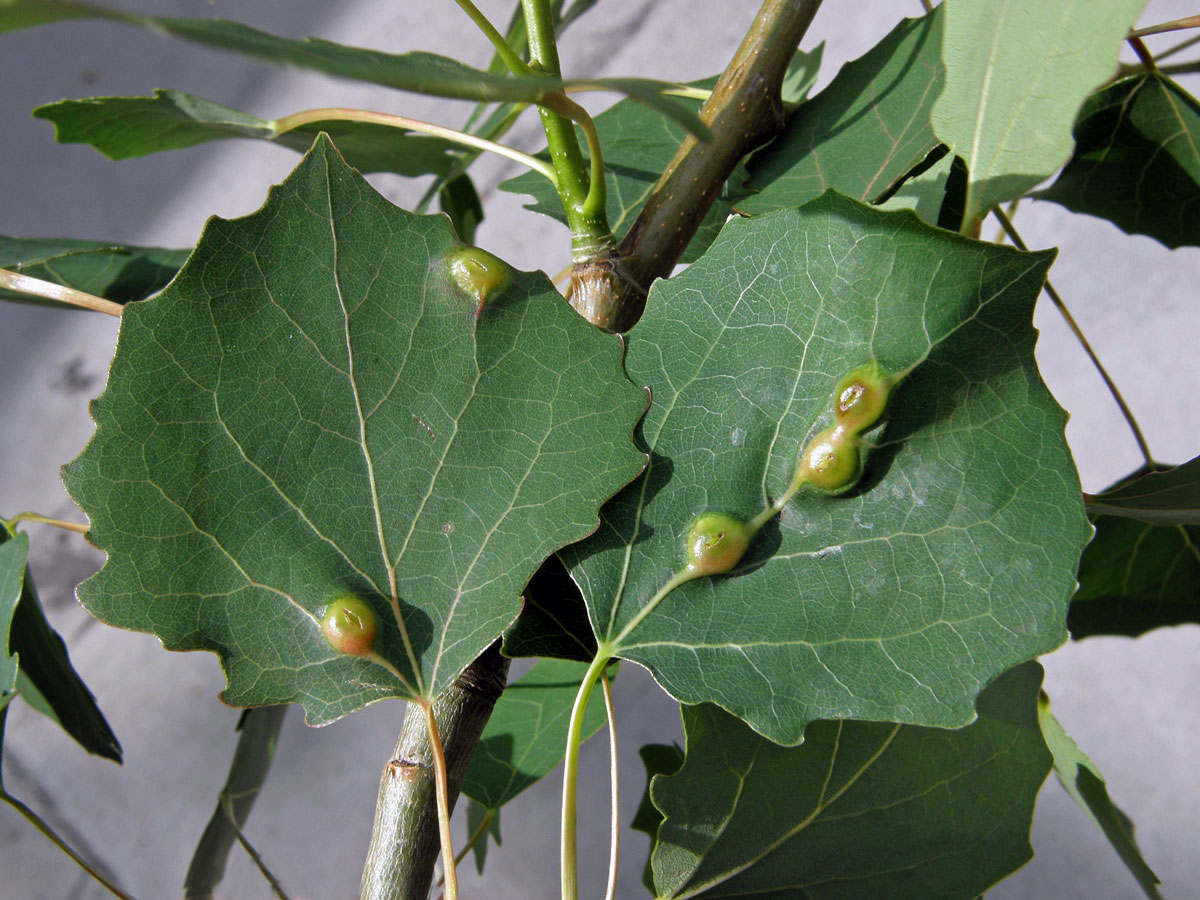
point(801, 74)
point(1083, 781)
point(312, 411)
point(862, 809)
point(47, 681)
point(115, 272)
point(13, 554)
point(1141, 572)
point(553, 621)
point(864, 131)
point(1168, 496)
point(460, 201)
point(924, 191)
point(125, 127)
point(1017, 72)
point(419, 72)
point(950, 562)
point(659, 759)
point(485, 823)
point(1137, 160)
point(526, 736)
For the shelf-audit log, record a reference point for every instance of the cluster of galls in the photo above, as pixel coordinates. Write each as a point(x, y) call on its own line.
point(831, 461)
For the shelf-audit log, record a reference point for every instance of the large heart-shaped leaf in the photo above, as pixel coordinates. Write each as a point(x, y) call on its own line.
point(124, 127)
point(314, 408)
point(115, 272)
point(1137, 160)
point(863, 132)
point(861, 810)
point(952, 560)
point(1017, 72)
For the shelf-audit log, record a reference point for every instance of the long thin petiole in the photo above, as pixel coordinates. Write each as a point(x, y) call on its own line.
point(504, 50)
point(36, 821)
point(593, 203)
point(77, 527)
point(1083, 341)
point(569, 853)
point(474, 839)
point(276, 887)
point(1162, 28)
point(449, 869)
point(614, 845)
point(345, 114)
point(48, 290)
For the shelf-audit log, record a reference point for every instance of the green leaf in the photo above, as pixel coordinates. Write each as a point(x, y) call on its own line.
point(48, 681)
point(313, 409)
point(1136, 577)
point(258, 731)
point(485, 823)
point(863, 132)
point(801, 74)
point(924, 191)
point(1083, 781)
point(124, 127)
point(659, 759)
point(12, 577)
point(862, 809)
point(1137, 160)
point(638, 145)
point(527, 734)
point(1016, 74)
point(423, 73)
point(115, 272)
point(460, 201)
point(1163, 497)
point(950, 562)
point(554, 620)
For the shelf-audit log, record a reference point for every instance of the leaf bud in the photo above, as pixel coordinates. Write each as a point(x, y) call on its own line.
point(832, 460)
point(716, 543)
point(860, 398)
point(350, 626)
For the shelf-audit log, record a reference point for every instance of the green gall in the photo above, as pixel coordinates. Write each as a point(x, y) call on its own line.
point(716, 543)
point(832, 460)
point(860, 398)
point(350, 626)
point(478, 273)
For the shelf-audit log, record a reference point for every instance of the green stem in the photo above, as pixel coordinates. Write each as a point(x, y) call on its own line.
point(1144, 447)
point(569, 853)
point(614, 841)
point(449, 869)
point(345, 114)
point(37, 822)
point(504, 50)
point(77, 527)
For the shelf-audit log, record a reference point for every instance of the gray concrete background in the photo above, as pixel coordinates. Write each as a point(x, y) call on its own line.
point(1131, 704)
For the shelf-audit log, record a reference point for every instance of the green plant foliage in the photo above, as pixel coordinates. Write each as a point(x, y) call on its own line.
point(862, 809)
point(47, 681)
point(924, 192)
point(312, 409)
point(1083, 781)
point(12, 576)
point(124, 127)
point(460, 201)
point(113, 271)
point(954, 557)
point(862, 133)
point(1016, 74)
point(524, 739)
point(1137, 160)
point(659, 759)
point(486, 823)
point(1136, 577)
point(1167, 496)
point(553, 620)
point(422, 73)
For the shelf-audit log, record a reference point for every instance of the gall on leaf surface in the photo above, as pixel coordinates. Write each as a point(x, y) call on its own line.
point(950, 561)
point(311, 410)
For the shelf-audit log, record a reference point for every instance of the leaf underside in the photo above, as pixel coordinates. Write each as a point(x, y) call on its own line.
point(313, 408)
point(950, 562)
point(860, 810)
